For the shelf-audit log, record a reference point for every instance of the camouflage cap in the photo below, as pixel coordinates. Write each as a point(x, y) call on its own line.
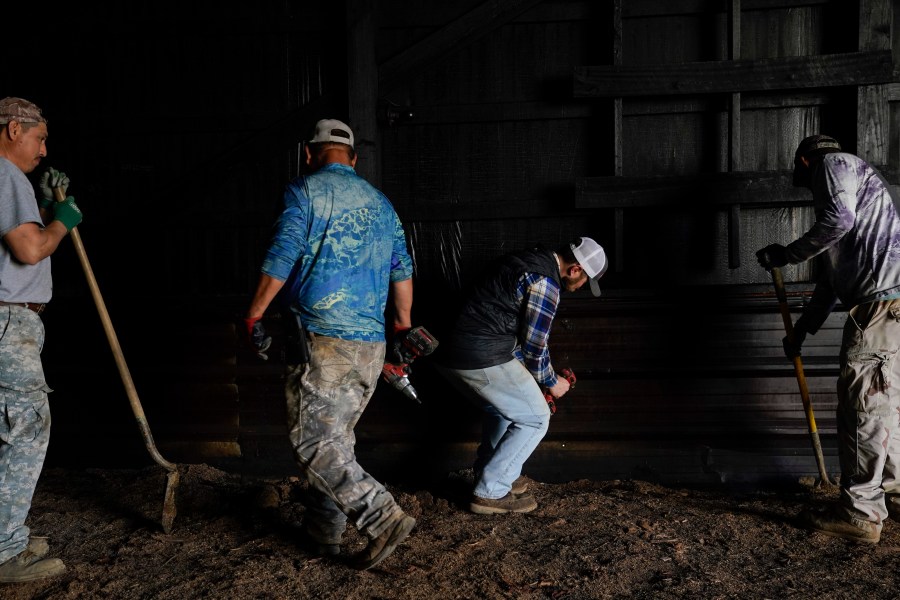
point(21, 110)
point(817, 142)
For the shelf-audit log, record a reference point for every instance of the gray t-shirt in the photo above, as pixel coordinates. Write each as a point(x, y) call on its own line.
point(20, 282)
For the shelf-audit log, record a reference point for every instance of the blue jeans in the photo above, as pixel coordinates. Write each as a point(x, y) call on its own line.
point(516, 418)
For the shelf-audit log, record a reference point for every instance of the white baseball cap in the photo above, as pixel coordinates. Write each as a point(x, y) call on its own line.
point(592, 258)
point(332, 130)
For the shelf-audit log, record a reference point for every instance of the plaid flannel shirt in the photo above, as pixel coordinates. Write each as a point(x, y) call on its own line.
point(539, 297)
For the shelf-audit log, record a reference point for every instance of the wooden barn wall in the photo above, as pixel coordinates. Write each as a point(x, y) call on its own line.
point(495, 145)
point(663, 129)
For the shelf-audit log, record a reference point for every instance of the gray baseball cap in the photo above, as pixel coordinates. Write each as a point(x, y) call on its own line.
point(592, 258)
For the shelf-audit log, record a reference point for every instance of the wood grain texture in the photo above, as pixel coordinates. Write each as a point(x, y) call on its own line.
point(855, 68)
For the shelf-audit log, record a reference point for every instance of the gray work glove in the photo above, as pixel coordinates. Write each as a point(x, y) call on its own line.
point(773, 255)
point(793, 349)
point(51, 178)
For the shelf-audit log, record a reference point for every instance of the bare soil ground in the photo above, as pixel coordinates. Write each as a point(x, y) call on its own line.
point(235, 538)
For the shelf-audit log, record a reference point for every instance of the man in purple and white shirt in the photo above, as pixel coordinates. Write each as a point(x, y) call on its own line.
point(856, 236)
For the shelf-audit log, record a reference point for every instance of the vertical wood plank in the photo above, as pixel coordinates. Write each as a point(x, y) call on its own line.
point(734, 137)
point(872, 112)
point(362, 87)
point(618, 135)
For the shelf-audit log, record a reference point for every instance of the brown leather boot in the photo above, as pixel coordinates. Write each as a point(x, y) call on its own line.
point(835, 524)
point(381, 547)
point(25, 566)
point(38, 546)
point(508, 503)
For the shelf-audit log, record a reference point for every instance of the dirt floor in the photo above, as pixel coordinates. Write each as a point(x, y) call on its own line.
point(235, 538)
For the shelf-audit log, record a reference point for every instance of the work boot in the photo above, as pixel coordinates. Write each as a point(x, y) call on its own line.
point(836, 524)
point(25, 566)
point(508, 503)
point(381, 547)
point(520, 485)
point(38, 546)
point(892, 501)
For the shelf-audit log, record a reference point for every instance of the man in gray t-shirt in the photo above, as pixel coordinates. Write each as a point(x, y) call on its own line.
point(30, 232)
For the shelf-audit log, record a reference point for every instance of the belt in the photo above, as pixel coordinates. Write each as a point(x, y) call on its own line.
point(35, 306)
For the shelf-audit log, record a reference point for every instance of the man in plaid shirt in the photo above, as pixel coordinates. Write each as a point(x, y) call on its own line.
point(497, 354)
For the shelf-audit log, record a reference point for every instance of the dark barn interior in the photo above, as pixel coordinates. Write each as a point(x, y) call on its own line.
point(663, 129)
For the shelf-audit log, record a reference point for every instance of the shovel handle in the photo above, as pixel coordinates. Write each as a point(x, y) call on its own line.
point(778, 280)
point(172, 478)
point(119, 356)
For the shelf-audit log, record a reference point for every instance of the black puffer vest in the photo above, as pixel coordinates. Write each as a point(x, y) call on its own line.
point(486, 331)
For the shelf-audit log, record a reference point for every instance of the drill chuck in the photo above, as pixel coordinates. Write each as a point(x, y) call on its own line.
point(396, 376)
point(407, 389)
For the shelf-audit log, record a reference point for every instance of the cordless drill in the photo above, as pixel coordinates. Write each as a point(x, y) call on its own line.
point(570, 377)
point(408, 346)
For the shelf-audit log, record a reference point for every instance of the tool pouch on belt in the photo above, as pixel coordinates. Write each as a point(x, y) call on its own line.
point(296, 348)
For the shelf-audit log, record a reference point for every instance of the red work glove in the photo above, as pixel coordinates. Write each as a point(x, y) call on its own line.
point(256, 336)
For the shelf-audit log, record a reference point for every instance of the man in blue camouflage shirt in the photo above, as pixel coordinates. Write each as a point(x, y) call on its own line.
point(338, 253)
point(856, 236)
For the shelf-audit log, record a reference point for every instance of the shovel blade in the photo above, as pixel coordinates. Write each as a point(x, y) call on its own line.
point(169, 510)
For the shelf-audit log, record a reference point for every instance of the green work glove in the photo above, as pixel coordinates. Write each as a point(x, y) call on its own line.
point(51, 178)
point(67, 213)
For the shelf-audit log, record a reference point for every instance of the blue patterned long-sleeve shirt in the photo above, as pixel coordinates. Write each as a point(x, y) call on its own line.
point(539, 296)
point(338, 245)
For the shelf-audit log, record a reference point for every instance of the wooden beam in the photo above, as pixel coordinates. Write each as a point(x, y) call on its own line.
point(760, 188)
point(475, 24)
point(750, 188)
point(788, 73)
point(658, 8)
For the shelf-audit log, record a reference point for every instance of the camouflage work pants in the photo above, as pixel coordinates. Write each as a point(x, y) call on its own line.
point(24, 422)
point(325, 399)
point(868, 413)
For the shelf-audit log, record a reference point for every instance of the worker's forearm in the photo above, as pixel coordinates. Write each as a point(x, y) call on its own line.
point(266, 291)
point(402, 299)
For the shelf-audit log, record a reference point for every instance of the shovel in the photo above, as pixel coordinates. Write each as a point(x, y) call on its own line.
point(168, 513)
point(801, 378)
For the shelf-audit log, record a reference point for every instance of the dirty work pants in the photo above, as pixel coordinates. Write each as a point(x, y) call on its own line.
point(325, 399)
point(516, 418)
point(868, 413)
point(24, 422)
